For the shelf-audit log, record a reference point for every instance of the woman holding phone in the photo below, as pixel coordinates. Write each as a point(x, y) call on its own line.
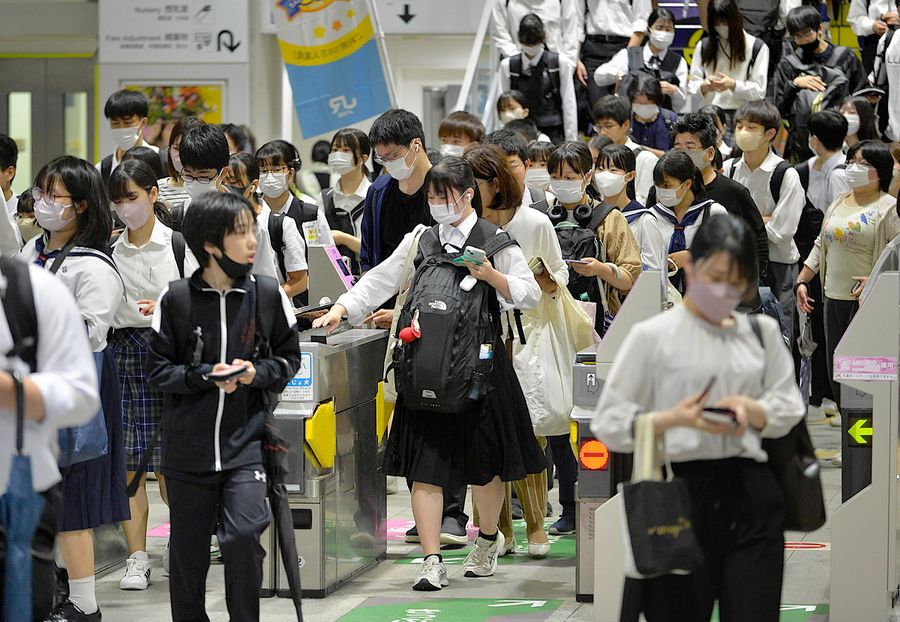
point(713, 413)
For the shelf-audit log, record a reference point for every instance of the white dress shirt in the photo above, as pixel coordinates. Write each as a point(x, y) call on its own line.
point(566, 88)
point(784, 216)
point(384, 280)
point(747, 86)
point(620, 18)
point(323, 230)
point(66, 378)
point(827, 184)
point(560, 24)
point(864, 13)
point(617, 66)
point(345, 202)
point(294, 249)
point(886, 75)
point(645, 162)
point(12, 204)
point(537, 238)
point(677, 353)
point(115, 158)
point(667, 227)
point(10, 234)
point(146, 271)
point(654, 242)
point(95, 283)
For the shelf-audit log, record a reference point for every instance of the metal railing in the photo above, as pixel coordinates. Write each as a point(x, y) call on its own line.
point(481, 84)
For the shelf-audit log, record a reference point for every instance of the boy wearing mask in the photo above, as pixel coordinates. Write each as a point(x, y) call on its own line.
point(127, 113)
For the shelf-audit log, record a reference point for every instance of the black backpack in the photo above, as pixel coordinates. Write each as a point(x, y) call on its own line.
point(301, 212)
point(807, 102)
point(106, 164)
point(448, 367)
point(18, 306)
point(666, 72)
point(341, 220)
point(760, 16)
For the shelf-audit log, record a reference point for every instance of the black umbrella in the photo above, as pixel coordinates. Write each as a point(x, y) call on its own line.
point(275, 451)
point(20, 511)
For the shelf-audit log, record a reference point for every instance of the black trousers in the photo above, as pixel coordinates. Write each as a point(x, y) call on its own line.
point(566, 471)
point(738, 515)
point(237, 502)
point(43, 576)
point(596, 50)
point(838, 315)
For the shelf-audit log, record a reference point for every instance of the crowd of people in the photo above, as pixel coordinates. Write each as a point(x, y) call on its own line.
point(759, 177)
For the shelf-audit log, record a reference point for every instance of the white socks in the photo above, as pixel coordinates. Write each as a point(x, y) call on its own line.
point(81, 593)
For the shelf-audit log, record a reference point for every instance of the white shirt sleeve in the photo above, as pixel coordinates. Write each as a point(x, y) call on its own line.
point(641, 11)
point(99, 292)
point(679, 99)
point(503, 38)
point(607, 73)
point(652, 242)
point(567, 92)
point(755, 87)
point(10, 236)
point(836, 185)
point(698, 73)
point(294, 248)
point(504, 74)
point(643, 180)
point(859, 19)
point(783, 224)
point(571, 42)
point(377, 285)
point(525, 292)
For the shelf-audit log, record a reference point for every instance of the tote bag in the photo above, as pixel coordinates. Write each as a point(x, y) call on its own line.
point(87, 441)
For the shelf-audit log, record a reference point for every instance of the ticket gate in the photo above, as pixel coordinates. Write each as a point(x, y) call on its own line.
point(599, 471)
point(336, 492)
point(865, 567)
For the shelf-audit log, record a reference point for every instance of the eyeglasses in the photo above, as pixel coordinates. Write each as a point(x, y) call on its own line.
point(39, 194)
point(396, 157)
point(200, 180)
point(274, 170)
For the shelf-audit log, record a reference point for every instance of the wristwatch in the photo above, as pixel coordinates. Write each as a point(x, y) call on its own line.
point(798, 284)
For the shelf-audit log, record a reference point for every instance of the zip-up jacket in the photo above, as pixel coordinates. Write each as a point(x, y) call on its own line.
point(206, 430)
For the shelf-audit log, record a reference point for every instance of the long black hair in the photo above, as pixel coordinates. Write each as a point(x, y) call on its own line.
point(727, 11)
point(678, 165)
point(724, 233)
point(140, 174)
point(450, 174)
point(82, 180)
point(246, 167)
point(619, 156)
point(867, 128)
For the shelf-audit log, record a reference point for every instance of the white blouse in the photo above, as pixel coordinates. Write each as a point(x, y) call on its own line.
point(749, 84)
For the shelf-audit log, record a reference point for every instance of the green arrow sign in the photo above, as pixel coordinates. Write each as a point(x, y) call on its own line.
point(859, 431)
point(453, 610)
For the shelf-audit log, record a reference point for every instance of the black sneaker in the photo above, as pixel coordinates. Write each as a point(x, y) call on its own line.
point(412, 536)
point(517, 512)
point(68, 612)
point(549, 510)
point(61, 594)
point(564, 526)
point(452, 533)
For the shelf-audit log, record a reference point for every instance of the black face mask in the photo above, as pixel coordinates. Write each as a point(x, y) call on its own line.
point(808, 50)
point(233, 269)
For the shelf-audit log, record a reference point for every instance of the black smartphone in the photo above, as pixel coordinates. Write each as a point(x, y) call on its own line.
point(719, 415)
point(234, 371)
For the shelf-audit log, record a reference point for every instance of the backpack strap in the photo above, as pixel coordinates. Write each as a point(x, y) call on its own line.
point(803, 171)
point(757, 330)
point(552, 60)
point(18, 306)
point(599, 215)
point(882, 56)
point(671, 62)
point(515, 71)
point(179, 249)
point(537, 195)
point(635, 58)
point(777, 178)
point(757, 47)
point(328, 200)
point(430, 243)
point(276, 237)
point(177, 213)
point(164, 160)
point(542, 206)
point(106, 167)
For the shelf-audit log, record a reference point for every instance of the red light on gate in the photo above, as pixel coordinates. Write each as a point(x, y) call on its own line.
point(594, 456)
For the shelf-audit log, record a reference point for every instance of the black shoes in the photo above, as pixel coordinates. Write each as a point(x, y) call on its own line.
point(68, 612)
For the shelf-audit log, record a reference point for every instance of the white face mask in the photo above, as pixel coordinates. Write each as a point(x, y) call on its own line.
point(568, 191)
point(340, 162)
point(49, 215)
point(857, 175)
point(698, 157)
point(722, 31)
point(447, 213)
point(273, 184)
point(452, 150)
point(125, 137)
point(134, 215)
point(399, 169)
point(668, 196)
point(645, 111)
point(511, 115)
point(537, 177)
point(852, 123)
point(811, 143)
point(661, 39)
point(609, 184)
point(532, 50)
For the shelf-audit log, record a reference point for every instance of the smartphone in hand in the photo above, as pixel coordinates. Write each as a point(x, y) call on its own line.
point(232, 372)
point(719, 415)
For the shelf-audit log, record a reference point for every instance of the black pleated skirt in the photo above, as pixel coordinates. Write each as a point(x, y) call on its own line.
point(493, 438)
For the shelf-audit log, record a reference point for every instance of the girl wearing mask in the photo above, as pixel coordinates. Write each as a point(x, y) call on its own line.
point(436, 451)
point(501, 200)
point(537, 179)
point(511, 105)
point(729, 67)
point(171, 189)
point(860, 120)
point(736, 503)
point(72, 207)
point(144, 256)
point(857, 228)
point(343, 203)
point(681, 208)
point(669, 67)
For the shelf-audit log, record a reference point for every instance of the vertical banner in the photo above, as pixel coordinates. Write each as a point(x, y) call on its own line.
point(333, 63)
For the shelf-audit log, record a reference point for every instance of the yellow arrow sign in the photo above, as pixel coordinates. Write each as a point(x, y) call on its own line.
point(858, 431)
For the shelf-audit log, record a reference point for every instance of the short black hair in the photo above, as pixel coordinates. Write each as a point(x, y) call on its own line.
point(731, 235)
point(526, 128)
point(126, 103)
point(511, 96)
point(679, 165)
point(648, 86)
point(82, 180)
point(462, 123)
point(320, 151)
point(801, 19)
point(451, 173)
point(279, 153)
point(531, 30)
point(212, 216)
point(611, 107)
point(203, 146)
point(9, 152)
point(598, 142)
point(700, 125)
point(830, 127)
point(396, 127)
point(575, 154)
point(539, 151)
point(760, 111)
point(877, 154)
point(510, 142)
point(712, 110)
point(245, 165)
point(138, 172)
point(149, 157)
point(238, 135)
point(661, 13)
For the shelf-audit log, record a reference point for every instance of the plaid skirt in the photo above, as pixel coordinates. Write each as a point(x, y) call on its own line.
point(142, 405)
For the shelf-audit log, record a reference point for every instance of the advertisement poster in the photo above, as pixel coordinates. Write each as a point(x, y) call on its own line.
point(170, 102)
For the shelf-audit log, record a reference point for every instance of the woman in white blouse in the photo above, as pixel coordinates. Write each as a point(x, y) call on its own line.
point(703, 354)
point(729, 66)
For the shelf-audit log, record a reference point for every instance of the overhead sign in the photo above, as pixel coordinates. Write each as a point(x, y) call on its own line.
point(416, 17)
point(185, 31)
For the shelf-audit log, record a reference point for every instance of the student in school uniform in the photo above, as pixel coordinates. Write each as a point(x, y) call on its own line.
point(558, 16)
point(736, 501)
point(126, 111)
point(436, 451)
point(146, 261)
point(651, 122)
point(72, 207)
point(826, 177)
point(171, 188)
point(886, 75)
point(9, 157)
point(757, 124)
point(515, 149)
point(612, 117)
point(536, 175)
point(870, 20)
point(513, 107)
point(545, 78)
point(457, 131)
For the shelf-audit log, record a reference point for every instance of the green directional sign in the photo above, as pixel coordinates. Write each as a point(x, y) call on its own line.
point(860, 432)
point(795, 613)
point(453, 610)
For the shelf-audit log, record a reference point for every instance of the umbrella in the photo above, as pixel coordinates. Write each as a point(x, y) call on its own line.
point(275, 451)
point(807, 346)
point(20, 511)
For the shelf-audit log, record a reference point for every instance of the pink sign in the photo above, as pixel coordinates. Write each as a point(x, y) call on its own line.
point(338, 262)
point(160, 531)
point(396, 529)
point(865, 368)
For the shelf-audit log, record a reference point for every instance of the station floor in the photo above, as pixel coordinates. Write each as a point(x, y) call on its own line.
point(522, 589)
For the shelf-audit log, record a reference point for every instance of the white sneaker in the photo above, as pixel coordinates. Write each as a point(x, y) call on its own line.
point(838, 459)
point(830, 408)
point(137, 572)
point(432, 576)
point(482, 559)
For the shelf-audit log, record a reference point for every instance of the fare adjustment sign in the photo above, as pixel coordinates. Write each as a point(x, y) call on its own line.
point(172, 31)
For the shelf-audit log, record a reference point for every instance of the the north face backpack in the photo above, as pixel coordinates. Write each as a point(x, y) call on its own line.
point(448, 366)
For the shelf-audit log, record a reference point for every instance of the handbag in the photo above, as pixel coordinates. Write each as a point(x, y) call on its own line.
point(88, 441)
point(659, 532)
